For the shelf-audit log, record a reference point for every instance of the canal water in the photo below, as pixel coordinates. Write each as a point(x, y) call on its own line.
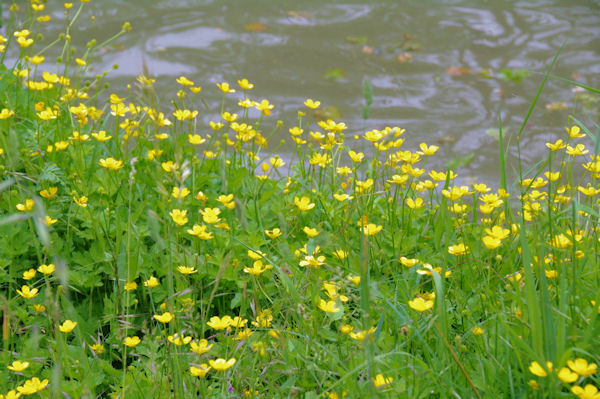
point(440, 69)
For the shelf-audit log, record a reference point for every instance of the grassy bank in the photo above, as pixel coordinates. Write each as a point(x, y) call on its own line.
point(167, 250)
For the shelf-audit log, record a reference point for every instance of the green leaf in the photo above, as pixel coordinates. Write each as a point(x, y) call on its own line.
point(334, 74)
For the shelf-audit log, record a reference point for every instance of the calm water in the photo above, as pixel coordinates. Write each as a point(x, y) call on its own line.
point(405, 48)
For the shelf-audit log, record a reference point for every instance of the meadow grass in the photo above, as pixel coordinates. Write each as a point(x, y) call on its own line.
point(146, 253)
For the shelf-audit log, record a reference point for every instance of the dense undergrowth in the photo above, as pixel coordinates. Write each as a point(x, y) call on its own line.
point(148, 253)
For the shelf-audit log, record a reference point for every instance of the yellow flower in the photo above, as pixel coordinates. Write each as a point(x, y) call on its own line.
point(200, 371)
point(477, 331)
point(370, 229)
point(29, 274)
point(132, 342)
point(47, 269)
point(130, 286)
point(27, 206)
point(225, 88)
point(311, 261)
point(179, 340)
point(581, 366)
point(588, 191)
point(427, 150)
point(408, 262)
point(560, 241)
point(589, 392)
point(579, 149)
point(101, 136)
point(557, 145)
point(200, 232)
point(353, 279)
point(310, 232)
point(303, 203)
point(200, 347)
point(179, 216)
point(459, 249)
point(184, 114)
point(27, 292)
point(414, 204)
point(81, 201)
point(312, 104)
point(221, 364)
point(24, 42)
point(238, 322)
point(151, 282)
point(265, 107)
point(18, 366)
point(67, 326)
point(245, 85)
point(380, 381)
point(256, 255)
point(186, 270)
point(328, 306)
point(399, 179)
point(98, 348)
point(574, 132)
point(491, 242)
point(257, 268)
point(272, 234)
point(6, 113)
point(276, 162)
point(195, 139)
point(180, 193)
point(536, 369)
point(39, 308)
point(48, 221)
point(420, 305)
point(49, 193)
point(227, 201)
point(219, 323)
point(32, 386)
point(169, 166)
point(244, 334)
point(163, 318)
point(374, 135)
point(210, 215)
point(356, 157)
point(182, 80)
point(566, 375)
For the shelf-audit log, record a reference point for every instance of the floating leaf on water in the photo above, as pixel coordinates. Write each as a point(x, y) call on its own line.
point(494, 133)
point(514, 75)
point(356, 39)
point(334, 73)
point(557, 106)
point(403, 58)
point(447, 139)
point(411, 46)
point(460, 161)
point(485, 73)
point(331, 112)
point(255, 27)
point(368, 50)
point(459, 71)
point(298, 14)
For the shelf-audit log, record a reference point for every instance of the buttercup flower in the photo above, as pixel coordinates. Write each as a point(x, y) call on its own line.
point(67, 326)
point(221, 364)
point(132, 342)
point(163, 318)
point(18, 366)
